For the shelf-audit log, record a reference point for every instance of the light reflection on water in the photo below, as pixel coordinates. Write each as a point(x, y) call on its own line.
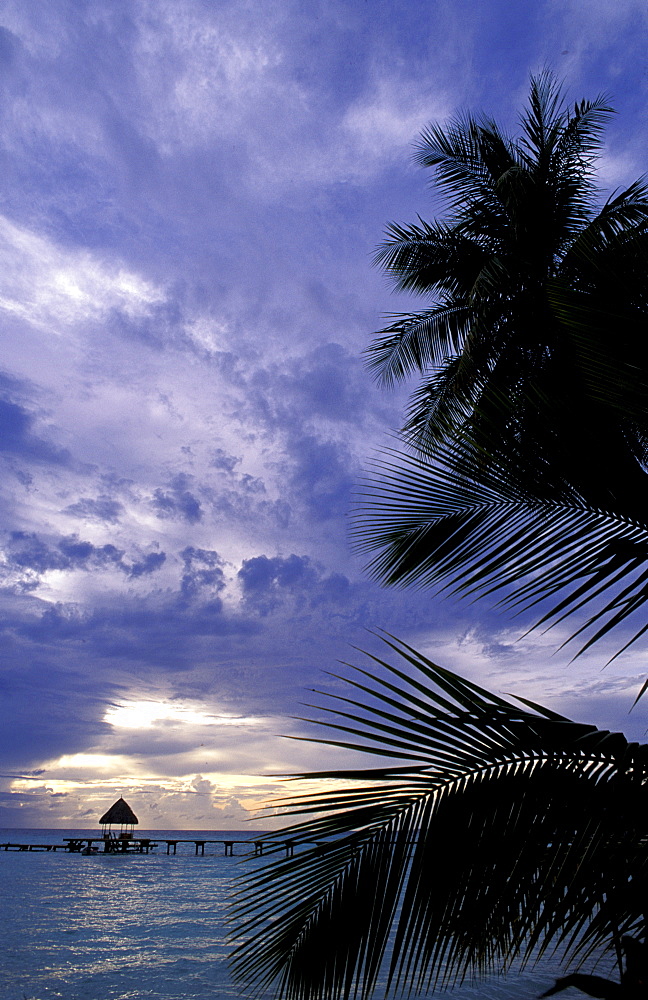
point(135, 927)
point(112, 927)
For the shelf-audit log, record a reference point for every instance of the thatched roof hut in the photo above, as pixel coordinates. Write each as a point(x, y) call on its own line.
point(120, 814)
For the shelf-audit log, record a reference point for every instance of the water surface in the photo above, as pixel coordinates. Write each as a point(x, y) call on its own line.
point(138, 927)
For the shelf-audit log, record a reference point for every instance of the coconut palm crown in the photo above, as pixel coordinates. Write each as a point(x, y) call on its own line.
point(492, 832)
point(533, 350)
point(525, 447)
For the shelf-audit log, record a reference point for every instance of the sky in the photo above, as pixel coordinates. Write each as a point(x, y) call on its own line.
point(192, 192)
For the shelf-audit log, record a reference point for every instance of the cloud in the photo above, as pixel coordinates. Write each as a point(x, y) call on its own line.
point(185, 291)
point(102, 508)
point(214, 93)
point(149, 564)
point(30, 552)
point(52, 286)
point(221, 460)
point(203, 573)
point(294, 582)
point(178, 501)
point(17, 437)
point(323, 476)
point(28, 556)
point(385, 121)
point(259, 574)
point(243, 90)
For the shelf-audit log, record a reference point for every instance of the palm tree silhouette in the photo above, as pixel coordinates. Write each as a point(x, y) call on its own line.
point(493, 833)
point(533, 352)
point(528, 429)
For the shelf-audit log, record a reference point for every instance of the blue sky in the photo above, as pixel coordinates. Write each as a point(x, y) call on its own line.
point(192, 193)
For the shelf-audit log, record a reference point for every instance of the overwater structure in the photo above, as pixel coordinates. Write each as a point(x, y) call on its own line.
point(120, 814)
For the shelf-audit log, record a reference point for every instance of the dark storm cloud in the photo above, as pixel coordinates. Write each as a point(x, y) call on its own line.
point(222, 460)
point(328, 383)
point(17, 437)
point(203, 573)
point(260, 574)
point(323, 476)
point(291, 593)
point(256, 655)
point(149, 564)
point(78, 553)
point(102, 508)
point(244, 504)
point(27, 551)
point(9, 46)
point(263, 577)
point(266, 582)
point(67, 713)
point(178, 501)
point(320, 405)
point(296, 584)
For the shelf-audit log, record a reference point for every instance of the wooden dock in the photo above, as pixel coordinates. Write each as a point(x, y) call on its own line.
point(33, 847)
point(143, 845)
point(258, 845)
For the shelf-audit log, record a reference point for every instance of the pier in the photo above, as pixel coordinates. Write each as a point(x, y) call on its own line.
point(143, 845)
point(33, 847)
point(118, 837)
point(229, 845)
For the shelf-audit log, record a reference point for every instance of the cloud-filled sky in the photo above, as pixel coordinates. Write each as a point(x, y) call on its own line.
point(192, 191)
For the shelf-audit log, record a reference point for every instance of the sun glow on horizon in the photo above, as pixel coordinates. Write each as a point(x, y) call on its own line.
point(145, 714)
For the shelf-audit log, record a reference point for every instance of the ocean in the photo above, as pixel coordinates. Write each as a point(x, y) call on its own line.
point(140, 927)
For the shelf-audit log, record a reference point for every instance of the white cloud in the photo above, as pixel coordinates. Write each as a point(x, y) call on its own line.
point(618, 169)
point(533, 666)
point(209, 80)
point(144, 715)
point(385, 121)
point(54, 287)
point(368, 137)
point(203, 78)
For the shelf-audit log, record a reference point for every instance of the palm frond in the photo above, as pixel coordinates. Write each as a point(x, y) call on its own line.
point(456, 152)
point(435, 524)
point(515, 832)
point(559, 141)
point(414, 342)
point(441, 403)
point(610, 377)
point(425, 257)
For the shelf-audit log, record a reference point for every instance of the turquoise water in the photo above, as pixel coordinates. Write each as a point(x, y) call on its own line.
point(137, 927)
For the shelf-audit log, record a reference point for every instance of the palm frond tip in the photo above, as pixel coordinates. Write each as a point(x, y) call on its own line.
point(434, 524)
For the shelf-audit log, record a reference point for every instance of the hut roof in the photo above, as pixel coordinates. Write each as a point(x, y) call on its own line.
point(120, 812)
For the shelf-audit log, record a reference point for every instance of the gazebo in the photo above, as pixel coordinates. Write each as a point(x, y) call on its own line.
point(120, 814)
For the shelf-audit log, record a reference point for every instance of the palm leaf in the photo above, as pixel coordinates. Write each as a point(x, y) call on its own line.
point(467, 158)
point(510, 833)
point(434, 524)
point(414, 341)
